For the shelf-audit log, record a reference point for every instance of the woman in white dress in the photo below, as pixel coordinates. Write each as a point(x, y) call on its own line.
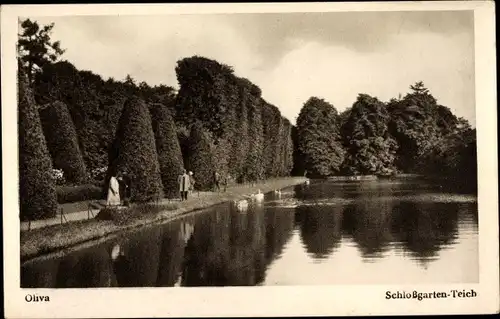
point(113, 192)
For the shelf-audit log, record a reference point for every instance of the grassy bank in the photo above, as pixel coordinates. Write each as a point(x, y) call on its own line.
point(64, 237)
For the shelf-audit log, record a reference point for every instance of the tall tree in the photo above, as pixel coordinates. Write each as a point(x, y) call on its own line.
point(319, 137)
point(370, 148)
point(134, 151)
point(413, 125)
point(168, 149)
point(62, 141)
point(37, 191)
point(35, 47)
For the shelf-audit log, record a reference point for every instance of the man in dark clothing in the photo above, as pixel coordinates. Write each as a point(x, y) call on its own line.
point(184, 185)
point(124, 180)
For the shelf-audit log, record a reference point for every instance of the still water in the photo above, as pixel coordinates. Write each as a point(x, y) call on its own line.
point(325, 233)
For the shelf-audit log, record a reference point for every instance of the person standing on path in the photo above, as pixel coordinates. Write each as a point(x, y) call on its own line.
point(216, 181)
point(191, 182)
point(113, 192)
point(184, 185)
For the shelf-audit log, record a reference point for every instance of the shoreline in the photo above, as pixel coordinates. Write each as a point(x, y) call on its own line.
point(55, 240)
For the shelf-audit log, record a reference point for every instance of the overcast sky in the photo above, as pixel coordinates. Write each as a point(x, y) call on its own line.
point(290, 56)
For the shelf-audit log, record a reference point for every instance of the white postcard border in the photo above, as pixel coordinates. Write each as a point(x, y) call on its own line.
point(256, 301)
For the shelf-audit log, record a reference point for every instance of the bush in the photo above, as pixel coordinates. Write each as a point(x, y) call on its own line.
point(134, 151)
point(62, 142)
point(37, 191)
point(70, 194)
point(99, 174)
point(168, 149)
point(58, 176)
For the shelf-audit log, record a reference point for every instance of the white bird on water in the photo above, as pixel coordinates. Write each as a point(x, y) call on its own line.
point(259, 196)
point(307, 182)
point(277, 192)
point(241, 204)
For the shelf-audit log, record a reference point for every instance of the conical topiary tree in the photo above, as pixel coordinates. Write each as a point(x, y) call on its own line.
point(199, 159)
point(37, 191)
point(134, 152)
point(62, 142)
point(168, 148)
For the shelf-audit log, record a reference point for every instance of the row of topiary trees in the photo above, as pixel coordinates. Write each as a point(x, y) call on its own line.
point(247, 137)
point(217, 122)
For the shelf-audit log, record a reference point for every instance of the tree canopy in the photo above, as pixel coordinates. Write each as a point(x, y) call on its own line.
point(319, 138)
point(370, 148)
point(35, 47)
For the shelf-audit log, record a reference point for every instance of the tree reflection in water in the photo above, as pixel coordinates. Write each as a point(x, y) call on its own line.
point(232, 248)
point(175, 237)
point(321, 228)
point(207, 251)
point(224, 247)
point(368, 219)
point(40, 275)
point(138, 266)
point(423, 229)
point(86, 269)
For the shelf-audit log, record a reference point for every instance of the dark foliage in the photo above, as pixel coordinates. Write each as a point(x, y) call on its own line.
point(319, 138)
point(62, 142)
point(370, 148)
point(168, 149)
point(95, 104)
point(37, 191)
point(134, 152)
point(199, 157)
point(244, 132)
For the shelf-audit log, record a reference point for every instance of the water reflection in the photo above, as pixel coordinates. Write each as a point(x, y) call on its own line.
point(320, 229)
point(393, 225)
point(424, 229)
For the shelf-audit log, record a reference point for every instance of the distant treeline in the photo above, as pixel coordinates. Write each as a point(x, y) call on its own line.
point(413, 134)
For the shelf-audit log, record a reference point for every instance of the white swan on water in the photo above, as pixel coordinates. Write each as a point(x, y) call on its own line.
point(259, 196)
point(241, 204)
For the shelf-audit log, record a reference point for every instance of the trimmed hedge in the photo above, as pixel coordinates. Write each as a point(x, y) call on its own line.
point(168, 149)
point(70, 194)
point(37, 192)
point(200, 160)
point(62, 142)
point(134, 151)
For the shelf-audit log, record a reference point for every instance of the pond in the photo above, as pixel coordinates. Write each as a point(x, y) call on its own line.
point(326, 233)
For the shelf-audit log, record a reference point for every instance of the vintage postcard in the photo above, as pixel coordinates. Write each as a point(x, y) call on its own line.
point(280, 159)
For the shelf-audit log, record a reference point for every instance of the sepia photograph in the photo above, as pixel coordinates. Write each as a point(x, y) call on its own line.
point(276, 151)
